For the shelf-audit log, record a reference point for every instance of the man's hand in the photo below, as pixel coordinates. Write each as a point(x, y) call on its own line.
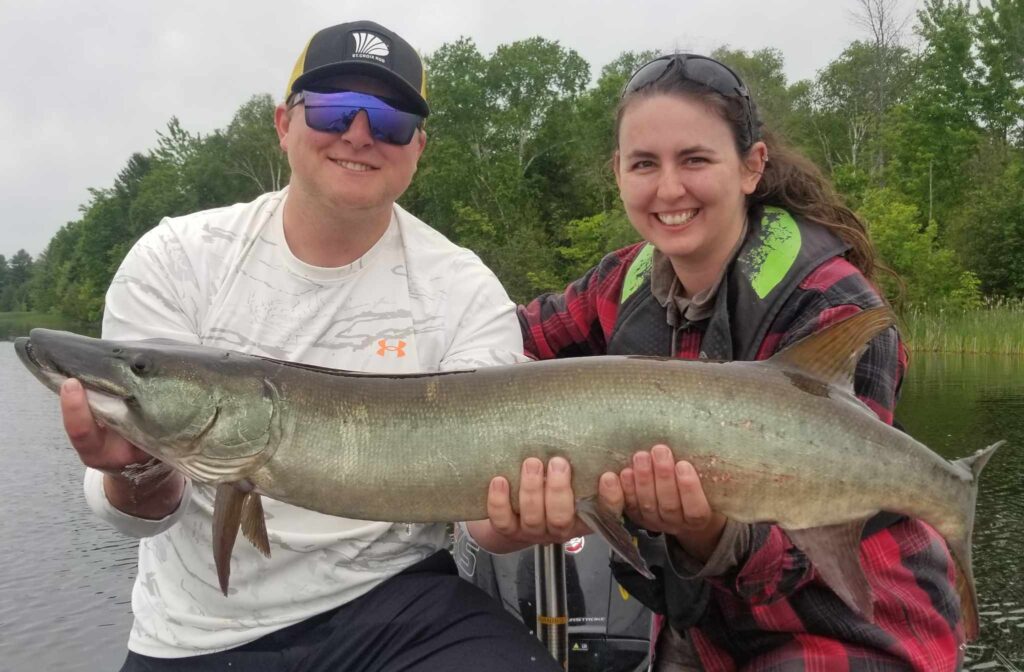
point(106, 451)
point(663, 495)
point(547, 509)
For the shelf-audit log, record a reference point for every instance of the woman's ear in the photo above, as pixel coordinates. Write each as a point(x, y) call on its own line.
point(755, 162)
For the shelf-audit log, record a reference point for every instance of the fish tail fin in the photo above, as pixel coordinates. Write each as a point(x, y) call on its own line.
point(960, 544)
point(611, 529)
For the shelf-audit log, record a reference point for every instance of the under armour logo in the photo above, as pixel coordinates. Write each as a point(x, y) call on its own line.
point(369, 45)
point(383, 348)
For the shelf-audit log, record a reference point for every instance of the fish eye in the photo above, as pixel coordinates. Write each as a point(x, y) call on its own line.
point(141, 365)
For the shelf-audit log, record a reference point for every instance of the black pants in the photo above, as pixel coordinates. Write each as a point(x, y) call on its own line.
point(426, 618)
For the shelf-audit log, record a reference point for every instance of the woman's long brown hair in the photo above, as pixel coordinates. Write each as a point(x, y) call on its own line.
point(790, 180)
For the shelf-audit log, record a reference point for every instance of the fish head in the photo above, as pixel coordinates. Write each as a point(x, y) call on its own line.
point(199, 409)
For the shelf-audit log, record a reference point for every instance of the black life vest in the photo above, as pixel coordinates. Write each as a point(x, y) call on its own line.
point(779, 251)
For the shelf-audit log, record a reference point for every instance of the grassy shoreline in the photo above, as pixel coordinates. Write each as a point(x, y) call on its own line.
point(13, 325)
point(996, 328)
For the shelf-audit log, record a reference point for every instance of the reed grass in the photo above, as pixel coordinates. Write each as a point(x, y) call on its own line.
point(995, 327)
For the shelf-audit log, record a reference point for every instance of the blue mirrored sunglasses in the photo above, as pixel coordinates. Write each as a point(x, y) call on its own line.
point(334, 112)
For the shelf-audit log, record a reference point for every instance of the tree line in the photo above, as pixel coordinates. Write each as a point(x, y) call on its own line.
point(925, 142)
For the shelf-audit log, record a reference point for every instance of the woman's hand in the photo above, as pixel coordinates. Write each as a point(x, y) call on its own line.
point(662, 495)
point(547, 509)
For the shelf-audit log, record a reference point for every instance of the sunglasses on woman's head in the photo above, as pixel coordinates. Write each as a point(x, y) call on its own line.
point(334, 112)
point(708, 72)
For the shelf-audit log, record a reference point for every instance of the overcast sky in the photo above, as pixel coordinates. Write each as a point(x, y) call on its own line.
point(88, 83)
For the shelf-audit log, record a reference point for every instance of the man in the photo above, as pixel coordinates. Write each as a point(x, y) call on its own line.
point(331, 272)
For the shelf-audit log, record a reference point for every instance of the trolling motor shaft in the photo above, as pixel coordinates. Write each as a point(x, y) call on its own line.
point(552, 611)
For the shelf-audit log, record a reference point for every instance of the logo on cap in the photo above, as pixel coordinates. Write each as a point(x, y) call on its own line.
point(370, 46)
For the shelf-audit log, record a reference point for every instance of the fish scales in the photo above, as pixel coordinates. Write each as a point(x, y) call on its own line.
point(760, 441)
point(782, 441)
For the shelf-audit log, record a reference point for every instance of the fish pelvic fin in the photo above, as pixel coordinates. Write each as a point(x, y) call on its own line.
point(960, 543)
point(834, 551)
point(254, 525)
point(831, 355)
point(609, 526)
point(227, 516)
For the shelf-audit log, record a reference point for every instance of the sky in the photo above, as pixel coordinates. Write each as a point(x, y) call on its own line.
point(86, 84)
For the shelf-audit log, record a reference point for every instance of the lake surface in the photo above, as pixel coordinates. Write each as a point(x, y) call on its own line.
point(65, 579)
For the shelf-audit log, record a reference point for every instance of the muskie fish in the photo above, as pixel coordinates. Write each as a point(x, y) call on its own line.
point(781, 441)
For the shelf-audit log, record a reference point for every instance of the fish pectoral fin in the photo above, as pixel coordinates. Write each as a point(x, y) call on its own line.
point(143, 471)
point(831, 355)
point(227, 516)
point(834, 551)
point(254, 525)
point(610, 528)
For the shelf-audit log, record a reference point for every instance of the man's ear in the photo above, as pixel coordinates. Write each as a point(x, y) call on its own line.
point(282, 120)
point(421, 142)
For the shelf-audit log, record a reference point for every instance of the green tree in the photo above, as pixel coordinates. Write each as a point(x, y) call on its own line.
point(931, 272)
point(500, 173)
point(988, 230)
point(14, 290)
point(453, 172)
point(251, 148)
point(932, 134)
point(591, 238)
point(594, 130)
point(4, 274)
point(52, 272)
point(852, 96)
point(1000, 30)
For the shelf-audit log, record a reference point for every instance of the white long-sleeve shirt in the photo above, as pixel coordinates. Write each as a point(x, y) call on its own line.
point(415, 302)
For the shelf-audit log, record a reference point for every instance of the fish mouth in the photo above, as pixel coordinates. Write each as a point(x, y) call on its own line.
point(52, 372)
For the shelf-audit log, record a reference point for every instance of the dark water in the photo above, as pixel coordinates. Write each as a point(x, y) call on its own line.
point(956, 405)
point(65, 579)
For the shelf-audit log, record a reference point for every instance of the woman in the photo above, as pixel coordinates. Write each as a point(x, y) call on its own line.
point(746, 250)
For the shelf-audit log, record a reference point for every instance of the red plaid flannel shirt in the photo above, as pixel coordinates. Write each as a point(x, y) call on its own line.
point(772, 612)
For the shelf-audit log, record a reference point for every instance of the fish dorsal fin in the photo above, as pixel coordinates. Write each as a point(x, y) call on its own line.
point(831, 355)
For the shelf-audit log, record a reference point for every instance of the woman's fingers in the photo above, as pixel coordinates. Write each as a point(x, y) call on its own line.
point(663, 495)
point(610, 494)
point(695, 507)
point(646, 495)
point(671, 509)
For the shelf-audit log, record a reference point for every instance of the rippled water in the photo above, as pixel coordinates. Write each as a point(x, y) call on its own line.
point(65, 579)
point(957, 405)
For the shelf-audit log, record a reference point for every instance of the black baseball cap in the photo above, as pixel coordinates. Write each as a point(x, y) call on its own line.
point(363, 48)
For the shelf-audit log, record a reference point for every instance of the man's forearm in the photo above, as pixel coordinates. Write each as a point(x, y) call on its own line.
point(152, 498)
